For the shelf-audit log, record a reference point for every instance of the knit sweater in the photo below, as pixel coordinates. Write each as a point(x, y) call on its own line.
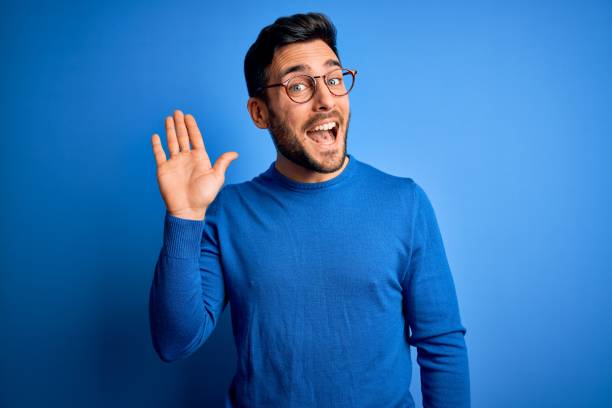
point(329, 283)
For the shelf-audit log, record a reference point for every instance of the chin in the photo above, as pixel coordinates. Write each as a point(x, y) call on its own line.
point(329, 161)
point(321, 157)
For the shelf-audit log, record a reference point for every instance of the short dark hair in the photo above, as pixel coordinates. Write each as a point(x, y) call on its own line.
point(284, 31)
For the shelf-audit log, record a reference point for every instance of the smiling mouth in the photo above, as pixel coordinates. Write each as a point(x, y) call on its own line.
point(325, 134)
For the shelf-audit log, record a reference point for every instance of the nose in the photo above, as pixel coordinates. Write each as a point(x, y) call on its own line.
point(323, 99)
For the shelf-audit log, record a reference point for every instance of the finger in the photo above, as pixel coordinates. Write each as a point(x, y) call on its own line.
point(158, 150)
point(195, 137)
point(181, 130)
point(173, 145)
point(223, 161)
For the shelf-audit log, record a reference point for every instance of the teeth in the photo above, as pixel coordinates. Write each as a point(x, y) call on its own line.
point(325, 126)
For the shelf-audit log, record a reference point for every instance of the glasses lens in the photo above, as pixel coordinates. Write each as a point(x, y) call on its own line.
point(300, 88)
point(340, 82)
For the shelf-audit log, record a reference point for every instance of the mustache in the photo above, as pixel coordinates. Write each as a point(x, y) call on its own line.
point(319, 118)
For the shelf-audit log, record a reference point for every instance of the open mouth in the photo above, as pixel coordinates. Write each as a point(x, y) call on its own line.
point(324, 134)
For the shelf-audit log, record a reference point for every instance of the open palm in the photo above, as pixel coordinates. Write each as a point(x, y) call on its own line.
point(187, 181)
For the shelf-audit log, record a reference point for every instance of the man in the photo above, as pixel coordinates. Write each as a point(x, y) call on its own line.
point(332, 267)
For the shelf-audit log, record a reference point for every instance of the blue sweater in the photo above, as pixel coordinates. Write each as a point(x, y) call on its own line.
point(329, 284)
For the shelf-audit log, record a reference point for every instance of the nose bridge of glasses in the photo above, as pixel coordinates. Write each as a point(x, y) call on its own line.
point(318, 87)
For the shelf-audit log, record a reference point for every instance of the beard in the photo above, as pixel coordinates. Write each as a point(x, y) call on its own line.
point(288, 144)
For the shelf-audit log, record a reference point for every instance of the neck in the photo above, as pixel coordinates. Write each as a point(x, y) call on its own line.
point(300, 174)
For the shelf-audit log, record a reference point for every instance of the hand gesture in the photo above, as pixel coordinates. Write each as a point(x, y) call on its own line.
point(187, 181)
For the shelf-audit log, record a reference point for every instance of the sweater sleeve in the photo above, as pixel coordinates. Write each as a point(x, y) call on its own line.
point(187, 294)
point(432, 313)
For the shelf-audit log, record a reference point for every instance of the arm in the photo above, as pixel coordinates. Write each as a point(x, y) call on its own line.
point(433, 314)
point(187, 294)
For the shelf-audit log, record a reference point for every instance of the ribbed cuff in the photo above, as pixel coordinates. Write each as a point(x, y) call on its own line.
point(182, 238)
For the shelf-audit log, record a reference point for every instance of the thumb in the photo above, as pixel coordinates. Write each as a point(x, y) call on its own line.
point(223, 161)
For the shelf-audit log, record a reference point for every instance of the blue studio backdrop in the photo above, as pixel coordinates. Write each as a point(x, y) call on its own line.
point(502, 111)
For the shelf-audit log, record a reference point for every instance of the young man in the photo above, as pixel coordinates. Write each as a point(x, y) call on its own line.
point(332, 267)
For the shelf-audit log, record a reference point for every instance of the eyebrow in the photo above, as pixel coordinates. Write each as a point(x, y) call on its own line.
point(302, 67)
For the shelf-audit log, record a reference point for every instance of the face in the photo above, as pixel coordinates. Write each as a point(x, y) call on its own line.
point(291, 124)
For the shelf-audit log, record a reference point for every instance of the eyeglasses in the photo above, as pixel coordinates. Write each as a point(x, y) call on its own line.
point(301, 88)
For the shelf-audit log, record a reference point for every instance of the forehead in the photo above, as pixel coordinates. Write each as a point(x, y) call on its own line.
point(313, 55)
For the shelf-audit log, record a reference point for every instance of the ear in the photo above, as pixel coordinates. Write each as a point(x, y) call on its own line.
point(258, 111)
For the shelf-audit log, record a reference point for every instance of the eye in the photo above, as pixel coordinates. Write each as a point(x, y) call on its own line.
point(334, 81)
point(299, 87)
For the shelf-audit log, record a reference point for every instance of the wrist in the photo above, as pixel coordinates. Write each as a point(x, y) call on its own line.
point(193, 215)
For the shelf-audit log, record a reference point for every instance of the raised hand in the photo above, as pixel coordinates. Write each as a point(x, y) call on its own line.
point(187, 181)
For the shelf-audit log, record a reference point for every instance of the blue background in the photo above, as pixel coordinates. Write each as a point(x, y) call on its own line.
point(500, 110)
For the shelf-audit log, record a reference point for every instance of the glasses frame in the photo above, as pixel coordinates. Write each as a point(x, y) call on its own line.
point(285, 83)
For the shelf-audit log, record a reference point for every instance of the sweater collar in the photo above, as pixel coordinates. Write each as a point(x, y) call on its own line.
point(274, 174)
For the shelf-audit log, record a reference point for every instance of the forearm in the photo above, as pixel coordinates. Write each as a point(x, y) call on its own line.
point(443, 362)
point(177, 314)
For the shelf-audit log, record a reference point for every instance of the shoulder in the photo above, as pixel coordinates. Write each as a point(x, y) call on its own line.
point(234, 193)
point(405, 187)
point(228, 193)
point(399, 190)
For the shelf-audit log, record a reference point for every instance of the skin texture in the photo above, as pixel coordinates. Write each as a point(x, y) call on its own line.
point(299, 157)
